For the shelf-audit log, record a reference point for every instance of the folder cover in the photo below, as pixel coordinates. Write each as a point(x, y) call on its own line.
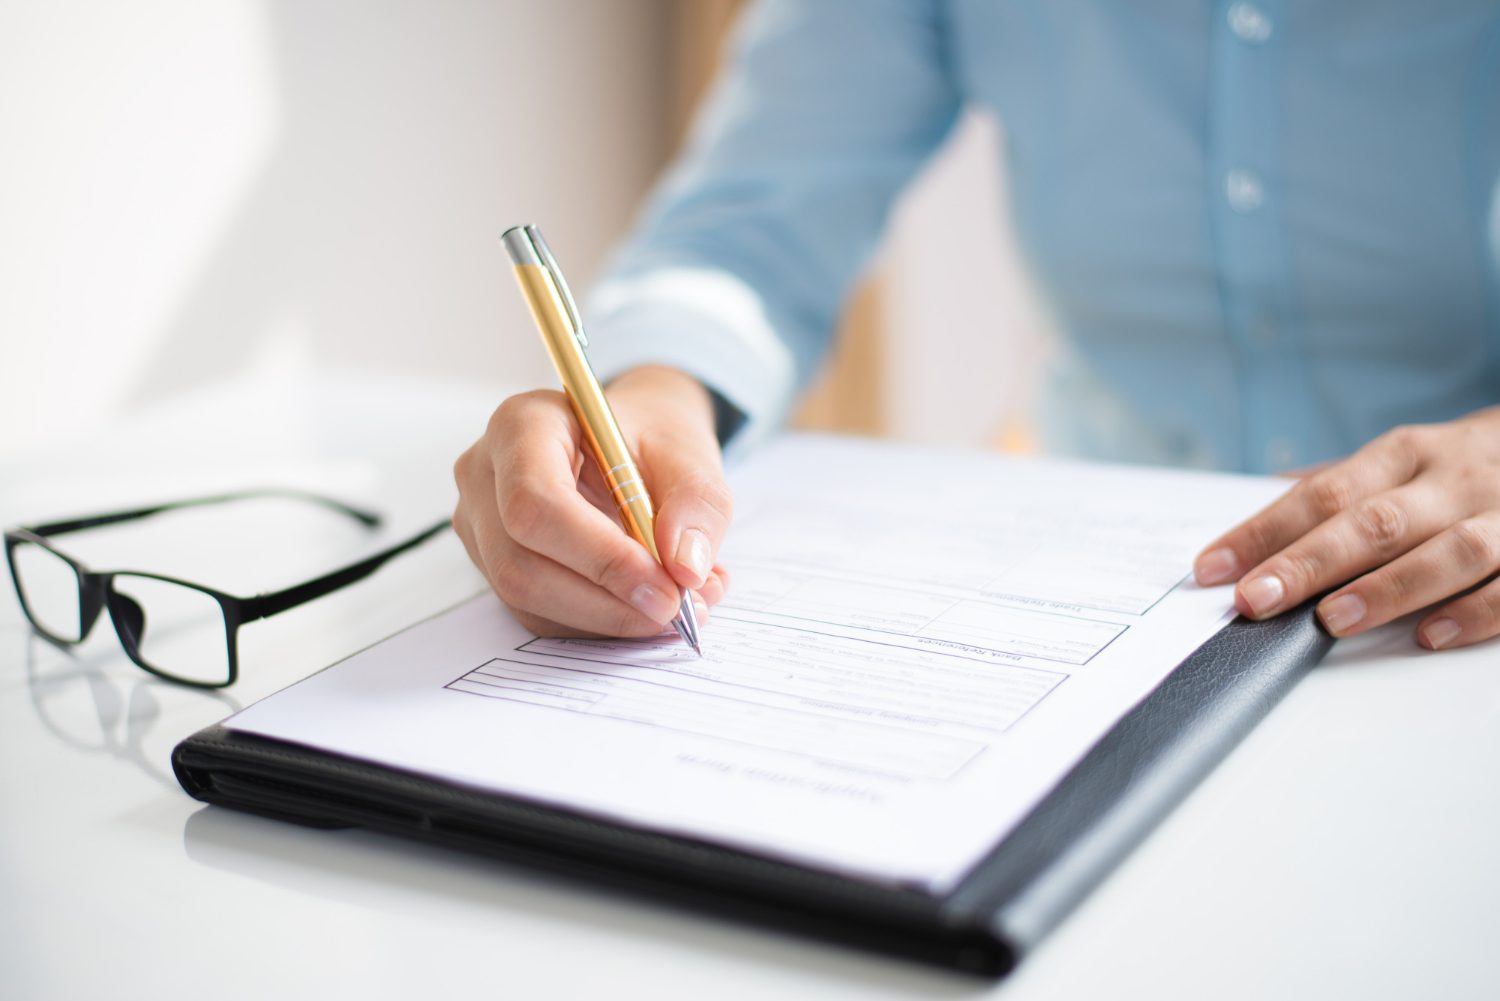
point(1021, 889)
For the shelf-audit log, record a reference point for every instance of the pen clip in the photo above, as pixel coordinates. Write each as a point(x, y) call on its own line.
point(544, 253)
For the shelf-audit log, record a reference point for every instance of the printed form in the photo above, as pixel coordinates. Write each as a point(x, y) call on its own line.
point(916, 646)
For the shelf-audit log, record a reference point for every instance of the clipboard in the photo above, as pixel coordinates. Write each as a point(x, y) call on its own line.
point(1023, 887)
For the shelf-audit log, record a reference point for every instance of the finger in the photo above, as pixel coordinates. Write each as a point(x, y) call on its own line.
point(530, 584)
point(1468, 620)
point(461, 529)
point(685, 475)
point(555, 630)
point(1378, 466)
point(712, 591)
point(540, 507)
point(1450, 562)
point(546, 627)
point(1302, 472)
point(1361, 537)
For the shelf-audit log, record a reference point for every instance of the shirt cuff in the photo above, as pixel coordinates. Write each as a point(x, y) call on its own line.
point(706, 323)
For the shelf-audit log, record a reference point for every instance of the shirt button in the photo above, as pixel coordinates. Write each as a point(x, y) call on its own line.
point(1244, 190)
point(1279, 454)
point(1249, 23)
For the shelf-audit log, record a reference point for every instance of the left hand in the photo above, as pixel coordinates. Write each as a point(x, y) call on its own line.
point(1408, 521)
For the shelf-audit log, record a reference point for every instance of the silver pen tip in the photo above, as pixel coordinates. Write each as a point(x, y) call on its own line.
point(686, 623)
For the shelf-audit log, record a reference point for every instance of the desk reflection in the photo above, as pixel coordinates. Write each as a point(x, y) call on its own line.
point(86, 708)
point(431, 884)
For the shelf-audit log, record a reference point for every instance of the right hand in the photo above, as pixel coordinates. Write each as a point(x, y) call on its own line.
point(536, 520)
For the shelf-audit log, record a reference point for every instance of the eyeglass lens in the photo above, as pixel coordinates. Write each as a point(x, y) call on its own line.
point(177, 630)
point(50, 591)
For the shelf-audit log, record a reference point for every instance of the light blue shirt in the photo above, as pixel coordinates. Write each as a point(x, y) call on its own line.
point(1269, 231)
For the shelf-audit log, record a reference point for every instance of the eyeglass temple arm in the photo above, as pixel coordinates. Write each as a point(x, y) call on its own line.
point(267, 605)
point(367, 518)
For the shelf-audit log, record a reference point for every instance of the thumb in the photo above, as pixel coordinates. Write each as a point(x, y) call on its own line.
point(685, 475)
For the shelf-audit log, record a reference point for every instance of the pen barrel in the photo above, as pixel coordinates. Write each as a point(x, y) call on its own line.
point(600, 429)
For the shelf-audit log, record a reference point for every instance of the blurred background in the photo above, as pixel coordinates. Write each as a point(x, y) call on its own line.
point(263, 189)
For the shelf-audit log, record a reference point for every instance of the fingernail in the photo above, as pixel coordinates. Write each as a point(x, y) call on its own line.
point(1263, 594)
point(1216, 566)
point(1440, 632)
point(700, 608)
point(653, 604)
point(1343, 613)
point(693, 552)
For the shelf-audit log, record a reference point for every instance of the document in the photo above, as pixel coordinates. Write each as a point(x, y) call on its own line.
point(915, 648)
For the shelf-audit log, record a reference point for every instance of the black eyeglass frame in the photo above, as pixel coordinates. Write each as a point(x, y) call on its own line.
point(96, 588)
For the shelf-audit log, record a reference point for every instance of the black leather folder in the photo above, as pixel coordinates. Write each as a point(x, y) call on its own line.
point(1026, 884)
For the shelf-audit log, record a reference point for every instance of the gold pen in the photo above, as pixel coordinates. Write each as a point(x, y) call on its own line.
point(556, 316)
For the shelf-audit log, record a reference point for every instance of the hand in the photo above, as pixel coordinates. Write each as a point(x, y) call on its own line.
point(536, 519)
point(1408, 521)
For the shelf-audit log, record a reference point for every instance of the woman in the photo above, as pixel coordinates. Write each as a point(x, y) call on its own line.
point(1270, 233)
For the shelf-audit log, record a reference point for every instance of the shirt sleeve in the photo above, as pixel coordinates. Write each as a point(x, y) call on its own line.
point(741, 260)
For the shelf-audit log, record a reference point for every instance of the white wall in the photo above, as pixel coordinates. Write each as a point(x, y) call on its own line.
point(191, 189)
point(967, 333)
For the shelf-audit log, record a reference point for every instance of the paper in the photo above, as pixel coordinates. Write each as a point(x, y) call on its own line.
point(915, 648)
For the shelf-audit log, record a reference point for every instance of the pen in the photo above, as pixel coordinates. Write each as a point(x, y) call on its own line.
point(556, 316)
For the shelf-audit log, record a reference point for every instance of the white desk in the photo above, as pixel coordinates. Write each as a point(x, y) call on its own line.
point(1349, 848)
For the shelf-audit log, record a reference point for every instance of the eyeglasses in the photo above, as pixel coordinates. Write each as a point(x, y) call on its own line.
point(168, 626)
